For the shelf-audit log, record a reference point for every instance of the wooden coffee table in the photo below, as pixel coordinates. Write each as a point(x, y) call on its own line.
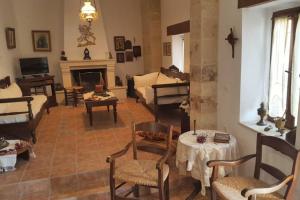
point(90, 103)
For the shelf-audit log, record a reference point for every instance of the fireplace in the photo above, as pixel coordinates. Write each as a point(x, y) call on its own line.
point(89, 78)
point(71, 71)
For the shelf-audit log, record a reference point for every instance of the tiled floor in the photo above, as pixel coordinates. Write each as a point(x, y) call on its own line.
point(70, 156)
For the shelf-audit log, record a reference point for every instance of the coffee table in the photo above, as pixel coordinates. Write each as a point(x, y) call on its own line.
point(90, 103)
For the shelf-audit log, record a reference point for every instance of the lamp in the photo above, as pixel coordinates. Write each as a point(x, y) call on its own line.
point(88, 11)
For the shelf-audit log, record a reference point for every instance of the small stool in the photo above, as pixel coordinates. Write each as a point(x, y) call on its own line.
point(73, 95)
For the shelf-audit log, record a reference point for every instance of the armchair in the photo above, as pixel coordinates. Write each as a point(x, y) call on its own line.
point(241, 188)
point(149, 173)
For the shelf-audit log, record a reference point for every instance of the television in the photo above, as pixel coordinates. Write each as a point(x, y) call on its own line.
point(31, 66)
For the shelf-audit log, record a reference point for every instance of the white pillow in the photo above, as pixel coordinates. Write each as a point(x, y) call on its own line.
point(145, 80)
point(13, 91)
point(163, 79)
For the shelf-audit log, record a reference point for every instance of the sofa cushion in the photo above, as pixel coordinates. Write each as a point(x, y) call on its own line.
point(36, 105)
point(163, 79)
point(145, 80)
point(13, 91)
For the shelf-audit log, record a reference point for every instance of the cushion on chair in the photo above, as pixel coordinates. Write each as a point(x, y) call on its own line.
point(141, 172)
point(231, 187)
point(36, 105)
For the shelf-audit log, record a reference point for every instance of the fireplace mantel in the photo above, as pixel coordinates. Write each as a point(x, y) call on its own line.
point(67, 66)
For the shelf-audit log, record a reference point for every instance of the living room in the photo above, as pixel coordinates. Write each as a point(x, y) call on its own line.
point(219, 83)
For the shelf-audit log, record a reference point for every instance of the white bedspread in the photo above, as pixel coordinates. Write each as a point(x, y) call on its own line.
point(36, 104)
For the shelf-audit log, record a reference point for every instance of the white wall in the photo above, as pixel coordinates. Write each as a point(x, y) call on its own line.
point(8, 57)
point(123, 18)
point(40, 15)
point(229, 82)
point(71, 33)
point(173, 12)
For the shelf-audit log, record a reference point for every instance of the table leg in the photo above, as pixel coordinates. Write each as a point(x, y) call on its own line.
point(107, 108)
point(115, 112)
point(25, 155)
point(196, 191)
point(90, 113)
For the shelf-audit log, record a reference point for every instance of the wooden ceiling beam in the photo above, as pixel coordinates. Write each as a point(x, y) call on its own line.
point(248, 3)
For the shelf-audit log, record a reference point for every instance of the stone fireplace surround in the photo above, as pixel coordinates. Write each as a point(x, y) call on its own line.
point(68, 66)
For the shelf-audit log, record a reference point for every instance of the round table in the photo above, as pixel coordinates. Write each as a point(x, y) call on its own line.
point(192, 156)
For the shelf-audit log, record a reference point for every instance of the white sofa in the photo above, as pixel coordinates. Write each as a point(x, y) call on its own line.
point(158, 89)
point(19, 115)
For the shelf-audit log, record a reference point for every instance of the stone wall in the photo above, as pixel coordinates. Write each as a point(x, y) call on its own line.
point(204, 39)
point(151, 20)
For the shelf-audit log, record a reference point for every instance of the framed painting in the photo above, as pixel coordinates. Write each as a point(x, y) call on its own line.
point(10, 38)
point(119, 43)
point(41, 40)
point(167, 49)
point(137, 51)
point(129, 56)
point(120, 58)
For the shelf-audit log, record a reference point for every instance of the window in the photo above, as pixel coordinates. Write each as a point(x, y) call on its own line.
point(178, 51)
point(284, 81)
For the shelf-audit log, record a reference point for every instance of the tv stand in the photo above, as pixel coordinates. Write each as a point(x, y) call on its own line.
point(26, 84)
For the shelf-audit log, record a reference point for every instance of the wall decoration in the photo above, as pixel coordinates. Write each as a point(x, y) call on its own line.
point(137, 51)
point(41, 40)
point(86, 53)
point(63, 56)
point(10, 38)
point(128, 44)
point(167, 49)
point(231, 40)
point(129, 56)
point(120, 58)
point(87, 37)
point(119, 43)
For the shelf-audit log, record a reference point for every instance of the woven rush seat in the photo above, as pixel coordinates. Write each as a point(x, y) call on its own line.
point(142, 172)
point(231, 187)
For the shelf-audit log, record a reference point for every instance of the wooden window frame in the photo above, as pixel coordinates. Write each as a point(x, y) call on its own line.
point(292, 13)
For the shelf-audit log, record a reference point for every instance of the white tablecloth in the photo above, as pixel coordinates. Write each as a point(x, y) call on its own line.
point(8, 161)
point(192, 156)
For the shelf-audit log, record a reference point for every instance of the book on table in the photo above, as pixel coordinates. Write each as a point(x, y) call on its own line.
point(221, 138)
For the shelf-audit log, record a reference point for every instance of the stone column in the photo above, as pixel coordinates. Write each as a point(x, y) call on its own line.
point(151, 20)
point(204, 38)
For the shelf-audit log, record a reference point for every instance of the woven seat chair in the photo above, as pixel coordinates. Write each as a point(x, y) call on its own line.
point(142, 172)
point(242, 188)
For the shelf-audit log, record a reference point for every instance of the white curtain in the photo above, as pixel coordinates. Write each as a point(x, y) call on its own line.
point(296, 73)
point(279, 64)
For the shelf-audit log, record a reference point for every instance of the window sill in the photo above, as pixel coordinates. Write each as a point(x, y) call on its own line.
point(260, 129)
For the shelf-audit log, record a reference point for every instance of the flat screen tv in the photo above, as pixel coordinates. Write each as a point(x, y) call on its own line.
point(31, 66)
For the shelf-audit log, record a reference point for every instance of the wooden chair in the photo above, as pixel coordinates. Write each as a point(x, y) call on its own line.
point(230, 188)
point(139, 172)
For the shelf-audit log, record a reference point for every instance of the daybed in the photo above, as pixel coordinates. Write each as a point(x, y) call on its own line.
point(166, 88)
point(20, 113)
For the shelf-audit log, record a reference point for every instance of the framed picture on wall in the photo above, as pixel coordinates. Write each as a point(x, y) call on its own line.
point(129, 56)
point(119, 43)
point(120, 58)
point(167, 49)
point(41, 40)
point(137, 51)
point(10, 38)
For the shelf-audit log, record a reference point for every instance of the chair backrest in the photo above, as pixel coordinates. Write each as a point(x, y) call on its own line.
point(155, 130)
point(286, 149)
point(291, 136)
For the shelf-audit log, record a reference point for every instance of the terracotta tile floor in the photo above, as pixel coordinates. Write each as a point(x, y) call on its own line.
point(70, 155)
